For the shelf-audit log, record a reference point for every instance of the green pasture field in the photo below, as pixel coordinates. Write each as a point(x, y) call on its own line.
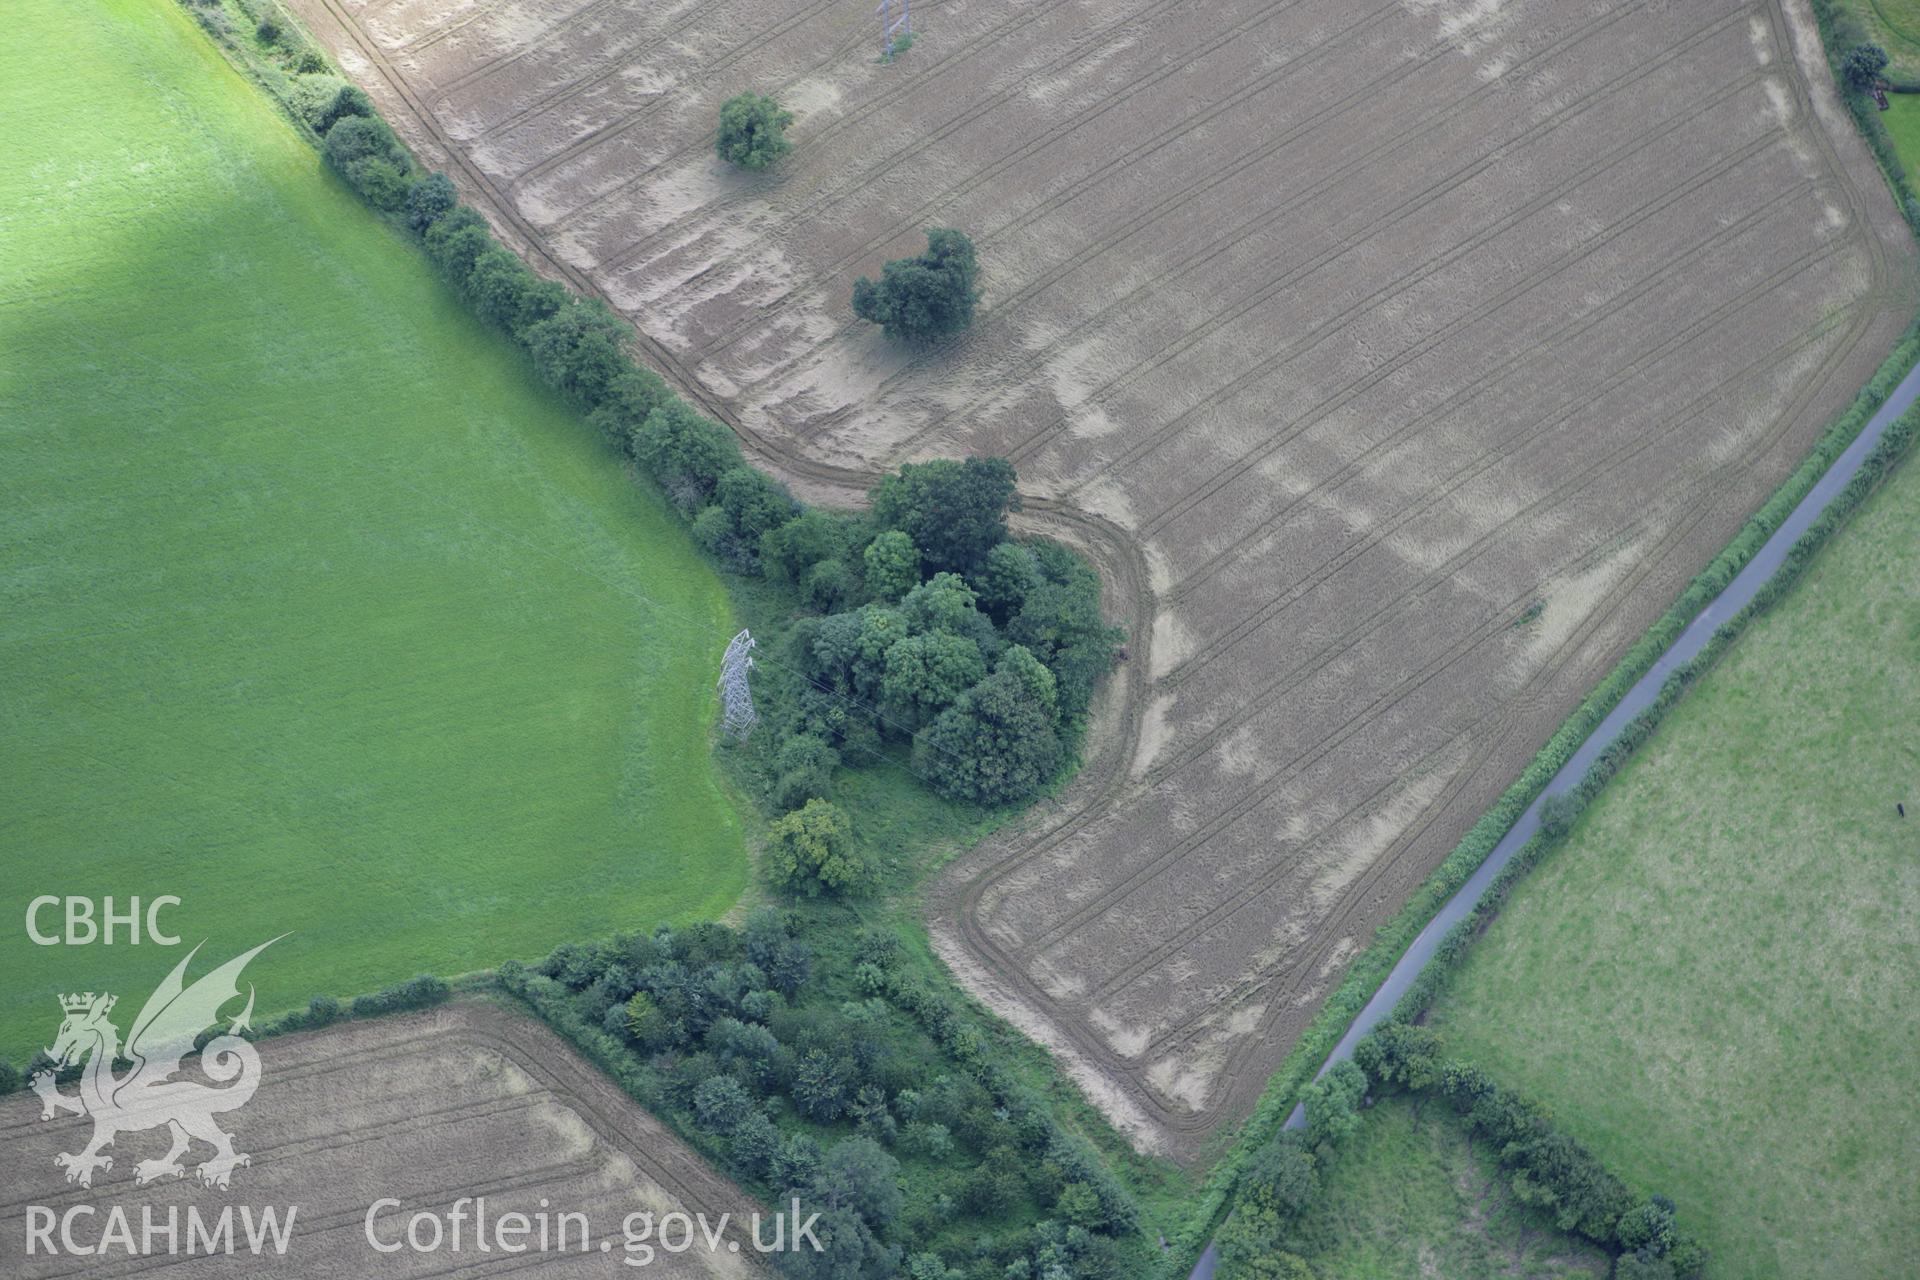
point(1894, 25)
point(1411, 1195)
point(1902, 118)
point(1716, 982)
point(315, 610)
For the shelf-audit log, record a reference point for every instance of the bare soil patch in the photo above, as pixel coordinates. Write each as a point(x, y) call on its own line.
point(1339, 334)
point(465, 1100)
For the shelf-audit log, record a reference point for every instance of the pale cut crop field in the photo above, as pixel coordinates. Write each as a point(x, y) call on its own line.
point(468, 1100)
point(1341, 335)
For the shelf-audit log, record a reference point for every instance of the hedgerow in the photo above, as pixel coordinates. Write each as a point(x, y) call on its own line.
point(1371, 966)
point(922, 623)
point(1841, 35)
point(1546, 1168)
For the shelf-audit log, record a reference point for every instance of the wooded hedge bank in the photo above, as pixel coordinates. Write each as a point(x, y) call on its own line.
point(933, 627)
point(1546, 1169)
point(1840, 31)
point(1550, 1169)
point(1391, 940)
point(800, 1054)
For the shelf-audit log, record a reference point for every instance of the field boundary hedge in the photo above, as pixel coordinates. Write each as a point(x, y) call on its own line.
point(1372, 965)
point(1435, 976)
point(1392, 937)
point(1874, 469)
point(1839, 31)
point(420, 992)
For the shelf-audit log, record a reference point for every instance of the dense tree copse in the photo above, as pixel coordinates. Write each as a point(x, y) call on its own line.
point(996, 744)
point(811, 851)
point(928, 673)
point(892, 564)
point(879, 1112)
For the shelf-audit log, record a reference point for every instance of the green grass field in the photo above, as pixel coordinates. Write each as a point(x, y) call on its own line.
point(1894, 25)
point(315, 610)
point(1410, 1196)
point(1902, 118)
point(1716, 982)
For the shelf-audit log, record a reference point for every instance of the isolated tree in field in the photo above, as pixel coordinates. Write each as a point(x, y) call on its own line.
point(753, 131)
point(1862, 66)
point(920, 299)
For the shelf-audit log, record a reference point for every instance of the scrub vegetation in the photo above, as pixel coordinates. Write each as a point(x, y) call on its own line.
point(804, 1055)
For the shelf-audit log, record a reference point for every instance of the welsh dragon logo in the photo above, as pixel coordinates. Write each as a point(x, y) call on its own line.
point(145, 1096)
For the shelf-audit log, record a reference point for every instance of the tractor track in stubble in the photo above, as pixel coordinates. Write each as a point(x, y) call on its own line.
point(1121, 559)
point(1010, 968)
point(1093, 111)
point(877, 103)
point(1158, 212)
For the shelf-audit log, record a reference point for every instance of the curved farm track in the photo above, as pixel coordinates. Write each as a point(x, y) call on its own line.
point(1339, 336)
point(465, 1100)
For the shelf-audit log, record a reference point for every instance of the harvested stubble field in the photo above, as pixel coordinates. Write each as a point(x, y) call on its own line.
point(1341, 335)
point(465, 1100)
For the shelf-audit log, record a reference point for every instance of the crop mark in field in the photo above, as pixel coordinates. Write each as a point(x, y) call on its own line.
point(1546, 346)
point(620, 257)
point(1493, 625)
point(1089, 114)
point(1314, 336)
point(598, 136)
point(434, 35)
point(570, 90)
point(1246, 706)
point(621, 124)
point(1507, 447)
point(589, 10)
point(1695, 512)
point(1689, 503)
point(1256, 225)
point(1391, 218)
point(1187, 194)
